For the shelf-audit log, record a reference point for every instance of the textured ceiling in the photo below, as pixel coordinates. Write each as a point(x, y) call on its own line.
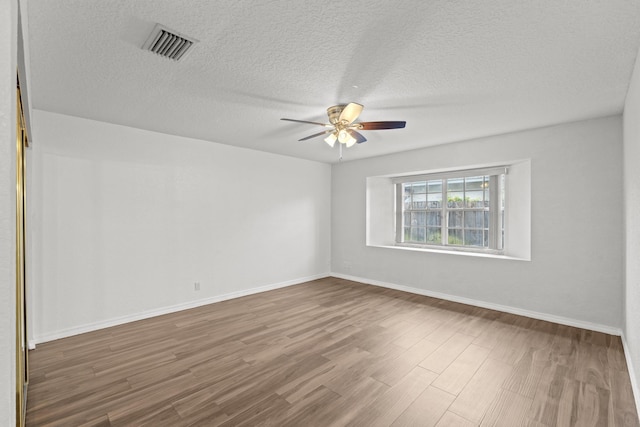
point(453, 70)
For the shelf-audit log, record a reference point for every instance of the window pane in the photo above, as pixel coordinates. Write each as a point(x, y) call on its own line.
point(407, 219)
point(473, 199)
point(435, 186)
point(434, 201)
point(406, 191)
point(419, 219)
point(455, 184)
point(473, 219)
point(455, 237)
point(419, 187)
point(487, 218)
point(419, 201)
point(455, 200)
point(473, 238)
point(474, 183)
point(407, 234)
point(433, 219)
point(434, 235)
point(455, 219)
point(418, 234)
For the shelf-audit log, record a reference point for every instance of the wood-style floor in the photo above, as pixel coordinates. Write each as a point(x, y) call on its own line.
point(332, 353)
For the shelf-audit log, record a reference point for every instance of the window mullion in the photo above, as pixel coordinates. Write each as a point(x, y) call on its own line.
point(495, 229)
point(497, 208)
point(464, 210)
point(444, 226)
point(399, 214)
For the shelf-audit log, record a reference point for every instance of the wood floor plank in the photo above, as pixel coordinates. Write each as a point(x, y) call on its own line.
point(308, 408)
point(482, 389)
point(136, 406)
point(166, 415)
point(546, 401)
point(403, 364)
point(348, 380)
point(444, 355)
point(593, 405)
point(101, 421)
point(416, 334)
point(449, 419)
point(456, 376)
point(76, 405)
point(246, 393)
point(384, 410)
point(332, 352)
point(426, 410)
point(583, 404)
point(306, 382)
point(337, 371)
point(528, 371)
point(507, 410)
point(272, 405)
point(352, 402)
point(500, 331)
point(199, 408)
point(591, 365)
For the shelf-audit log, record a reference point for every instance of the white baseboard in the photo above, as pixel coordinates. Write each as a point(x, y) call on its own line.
point(505, 308)
point(635, 387)
point(76, 330)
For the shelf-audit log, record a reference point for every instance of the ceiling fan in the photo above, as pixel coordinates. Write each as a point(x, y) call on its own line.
point(342, 125)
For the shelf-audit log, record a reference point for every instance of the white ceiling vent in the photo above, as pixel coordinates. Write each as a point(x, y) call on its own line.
point(169, 43)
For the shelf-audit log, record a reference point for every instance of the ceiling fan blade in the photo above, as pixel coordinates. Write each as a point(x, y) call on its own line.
point(380, 125)
point(350, 112)
point(316, 134)
point(308, 122)
point(358, 136)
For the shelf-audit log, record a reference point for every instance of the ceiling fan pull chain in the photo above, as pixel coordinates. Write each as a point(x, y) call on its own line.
point(340, 152)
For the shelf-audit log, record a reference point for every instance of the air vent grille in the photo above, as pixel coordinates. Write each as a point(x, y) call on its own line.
point(168, 43)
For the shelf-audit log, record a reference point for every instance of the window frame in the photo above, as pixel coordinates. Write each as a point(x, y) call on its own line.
point(496, 231)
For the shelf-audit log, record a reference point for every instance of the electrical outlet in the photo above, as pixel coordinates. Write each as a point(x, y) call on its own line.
point(196, 286)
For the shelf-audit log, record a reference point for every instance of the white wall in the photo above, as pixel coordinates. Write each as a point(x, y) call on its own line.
point(125, 221)
point(575, 270)
point(631, 155)
point(8, 58)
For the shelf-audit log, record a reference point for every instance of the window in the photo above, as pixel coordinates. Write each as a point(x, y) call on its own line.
point(461, 210)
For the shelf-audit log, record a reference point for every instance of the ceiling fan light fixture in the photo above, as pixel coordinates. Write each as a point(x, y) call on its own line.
point(331, 139)
point(350, 140)
point(343, 136)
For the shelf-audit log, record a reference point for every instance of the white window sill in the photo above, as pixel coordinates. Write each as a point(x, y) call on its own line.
point(451, 252)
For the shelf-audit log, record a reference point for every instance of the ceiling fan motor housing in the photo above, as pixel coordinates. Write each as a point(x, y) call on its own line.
point(334, 113)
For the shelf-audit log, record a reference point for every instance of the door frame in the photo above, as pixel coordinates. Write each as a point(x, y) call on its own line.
point(22, 351)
